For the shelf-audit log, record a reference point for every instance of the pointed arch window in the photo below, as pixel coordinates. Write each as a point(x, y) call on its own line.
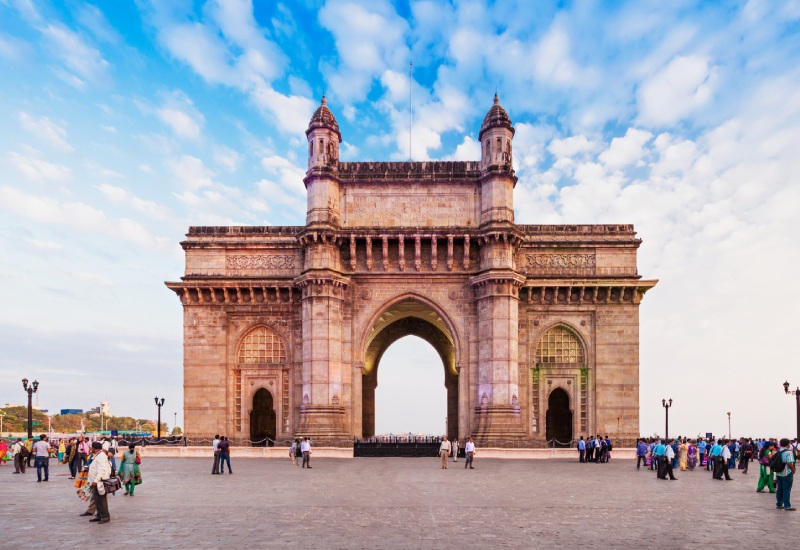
point(560, 345)
point(262, 345)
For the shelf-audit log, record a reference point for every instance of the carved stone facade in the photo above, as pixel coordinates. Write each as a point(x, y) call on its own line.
point(537, 326)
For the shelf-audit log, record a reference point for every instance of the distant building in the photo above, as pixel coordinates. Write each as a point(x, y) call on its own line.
point(71, 411)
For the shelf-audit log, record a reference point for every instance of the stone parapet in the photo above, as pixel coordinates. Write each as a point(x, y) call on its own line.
point(441, 171)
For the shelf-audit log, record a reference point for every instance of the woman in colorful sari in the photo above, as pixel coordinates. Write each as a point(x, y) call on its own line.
point(3, 452)
point(692, 454)
point(765, 473)
point(683, 453)
point(129, 469)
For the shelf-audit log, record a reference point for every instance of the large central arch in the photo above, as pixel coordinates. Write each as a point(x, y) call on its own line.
point(409, 316)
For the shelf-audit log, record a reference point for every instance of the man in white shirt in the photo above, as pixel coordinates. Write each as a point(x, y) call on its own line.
point(305, 448)
point(99, 470)
point(469, 452)
point(669, 456)
point(725, 456)
point(215, 446)
point(41, 451)
point(19, 460)
point(444, 452)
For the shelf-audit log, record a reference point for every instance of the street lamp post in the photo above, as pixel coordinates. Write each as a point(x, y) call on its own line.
point(159, 404)
point(666, 403)
point(33, 388)
point(175, 424)
point(796, 394)
point(729, 426)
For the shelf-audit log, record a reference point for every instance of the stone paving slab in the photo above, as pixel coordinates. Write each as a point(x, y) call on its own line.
point(401, 503)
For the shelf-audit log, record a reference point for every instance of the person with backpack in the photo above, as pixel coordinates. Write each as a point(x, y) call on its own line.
point(746, 454)
point(782, 463)
point(765, 474)
point(659, 452)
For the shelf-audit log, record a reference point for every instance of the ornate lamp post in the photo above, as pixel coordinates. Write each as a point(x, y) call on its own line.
point(31, 390)
point(666, 404)
point(175, 424)
point(729, 426)
point(159, 404)
point(796, 394)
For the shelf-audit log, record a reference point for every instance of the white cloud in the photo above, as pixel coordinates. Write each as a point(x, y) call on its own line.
point(685, 84)
point(76, 54)
point(179, 113)
point(46, 129)
point(469, 149)
point(191, 172)
point(35, 169)
point(48, 246)
point(227, 158)
point(122, 196)
point(572, 146)
point(626, 150)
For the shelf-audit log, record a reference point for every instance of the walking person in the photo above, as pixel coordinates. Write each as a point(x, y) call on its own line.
point(764, 471)
point(692, 455)
point(215, 446)
point(305, 448)
point(294, 452)
point(455, 450)
point(668, 458)
point(724, 460)
point(84, 449)
point(224, 448)
point(19, 457)
point(785, 477)
point(641, 453)
point(747, 455)
point(683, 455)
point(444, 451)
point(99, 470)
point(129, 469)
point(469, 453)
point(41, 450)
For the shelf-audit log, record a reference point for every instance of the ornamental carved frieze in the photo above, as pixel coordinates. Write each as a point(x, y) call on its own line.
point(270, 261)
point(559, 262)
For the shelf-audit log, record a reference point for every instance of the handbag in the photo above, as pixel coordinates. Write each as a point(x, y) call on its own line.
point(112, 485)
point(138, 459)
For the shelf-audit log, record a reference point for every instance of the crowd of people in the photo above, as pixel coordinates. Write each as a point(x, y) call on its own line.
point(776, 460)
point(92, 462)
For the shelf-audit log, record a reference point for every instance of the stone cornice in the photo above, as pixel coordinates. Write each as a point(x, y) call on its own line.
point(582, 291)
point(210, 292)
point(428, 171)
point(322, 278)
point(498, 276)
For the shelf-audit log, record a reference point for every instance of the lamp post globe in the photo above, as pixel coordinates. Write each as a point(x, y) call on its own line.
point(159, 404)
point(30, 390)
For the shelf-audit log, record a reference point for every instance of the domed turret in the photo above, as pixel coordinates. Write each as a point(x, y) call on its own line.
point(324, 138)
point(495, 137)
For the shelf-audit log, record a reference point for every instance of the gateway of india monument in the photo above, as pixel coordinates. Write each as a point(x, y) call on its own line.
point(537, 326)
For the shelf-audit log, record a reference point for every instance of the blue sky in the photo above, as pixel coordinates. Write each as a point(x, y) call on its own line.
point(122, 123)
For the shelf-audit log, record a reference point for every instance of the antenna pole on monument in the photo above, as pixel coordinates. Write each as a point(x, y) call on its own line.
point(410, 105)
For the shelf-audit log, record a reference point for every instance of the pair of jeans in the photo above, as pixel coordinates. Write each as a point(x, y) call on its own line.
point(42, 463)
point(640, 460)
point(784, 491)
point(224, 458)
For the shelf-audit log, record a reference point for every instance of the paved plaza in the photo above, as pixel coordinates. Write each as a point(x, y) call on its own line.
point(400, 503)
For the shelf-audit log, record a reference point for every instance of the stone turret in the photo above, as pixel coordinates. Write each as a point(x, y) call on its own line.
point(497, 173)
point(322, 176)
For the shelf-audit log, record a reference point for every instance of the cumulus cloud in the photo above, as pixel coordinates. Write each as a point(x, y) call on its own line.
point(46, 130)
point(626, 150)
point(119, 195)
point(191, 172)
point(33, 167)
point(179, 113)
point(685, 84)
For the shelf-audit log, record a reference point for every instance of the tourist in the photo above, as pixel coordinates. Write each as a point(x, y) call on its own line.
point(590, 450)
point(785, 477)
point(29, 455)
point(42, 451)
point(455, 450)
point(469, 453)
point(683, 455)
point(701, 451)
point(444, 451)
point(746, 454)
point(3, 452)
point(305, 448)
point(641, 453)
point(581, 450)
point(668, 458)
point(723, 460)
point(83, 453)
point(294, 452)
point(99, 470)
point(732, 448)
point(19, 458)
point(113, 448)
point(765, 473)
point(692, 453)
point(129, 469)
point(62, 450)
point(215, 447)
point(224, 455)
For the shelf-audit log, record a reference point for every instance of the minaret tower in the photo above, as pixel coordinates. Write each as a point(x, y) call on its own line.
point(497, 286)
point(323, 407)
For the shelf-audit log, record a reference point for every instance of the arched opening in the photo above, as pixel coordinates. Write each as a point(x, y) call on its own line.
point(559, 418)
point(409, 318)
point(410, 396)
point(263, 419)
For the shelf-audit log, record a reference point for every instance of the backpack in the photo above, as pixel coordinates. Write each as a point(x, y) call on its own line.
point(776, 462)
